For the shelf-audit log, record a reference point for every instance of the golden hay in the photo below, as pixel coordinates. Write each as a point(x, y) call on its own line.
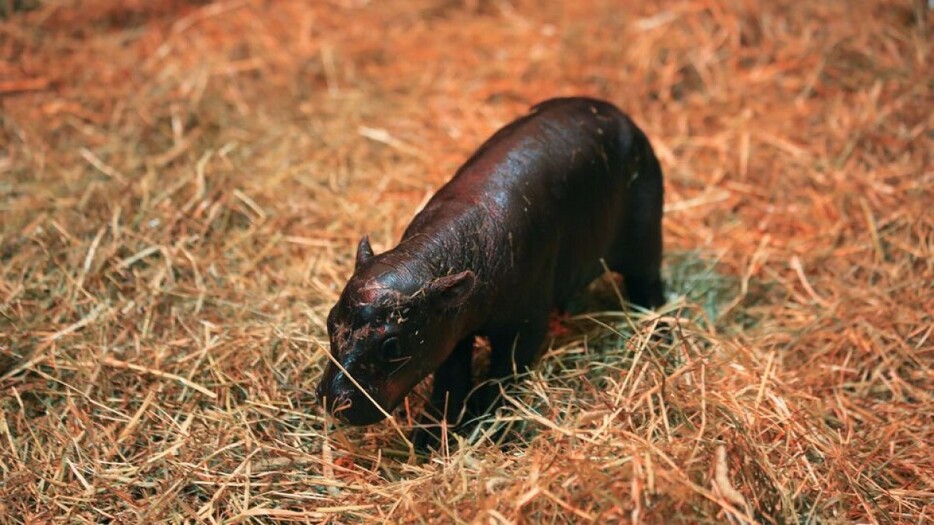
point(182, 184)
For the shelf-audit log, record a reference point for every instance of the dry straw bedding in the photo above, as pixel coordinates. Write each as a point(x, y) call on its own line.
point(182, 183)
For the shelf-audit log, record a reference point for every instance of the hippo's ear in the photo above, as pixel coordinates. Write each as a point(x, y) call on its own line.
point(451, 291)
point(364, 251)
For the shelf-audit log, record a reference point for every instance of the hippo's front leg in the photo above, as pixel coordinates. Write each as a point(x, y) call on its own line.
point(452, 382)
point(513, 352)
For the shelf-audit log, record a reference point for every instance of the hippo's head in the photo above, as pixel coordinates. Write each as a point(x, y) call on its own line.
point(393, 325)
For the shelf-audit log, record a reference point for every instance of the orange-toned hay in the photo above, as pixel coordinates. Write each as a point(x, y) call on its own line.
point(182, 183)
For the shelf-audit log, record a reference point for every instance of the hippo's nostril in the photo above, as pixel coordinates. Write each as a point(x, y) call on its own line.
point(341, 403)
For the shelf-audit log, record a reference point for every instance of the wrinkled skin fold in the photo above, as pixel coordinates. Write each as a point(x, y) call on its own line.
point(521, 227)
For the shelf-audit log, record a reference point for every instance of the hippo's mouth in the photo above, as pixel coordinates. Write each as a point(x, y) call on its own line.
point(349, 404)
point(356, 408)
point(342, 399)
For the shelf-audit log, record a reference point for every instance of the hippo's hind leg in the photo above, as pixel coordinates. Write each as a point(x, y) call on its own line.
point(452, 382)
point(638, 254)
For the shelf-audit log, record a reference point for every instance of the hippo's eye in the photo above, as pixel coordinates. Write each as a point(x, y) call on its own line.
point(391, 349)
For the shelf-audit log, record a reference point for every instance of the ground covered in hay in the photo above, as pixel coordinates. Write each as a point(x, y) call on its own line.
point(182, 184)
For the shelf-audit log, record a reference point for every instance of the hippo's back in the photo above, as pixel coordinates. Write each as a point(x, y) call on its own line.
point(544, 197)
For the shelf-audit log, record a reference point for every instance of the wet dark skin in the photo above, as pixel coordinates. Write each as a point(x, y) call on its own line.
point(521, 227)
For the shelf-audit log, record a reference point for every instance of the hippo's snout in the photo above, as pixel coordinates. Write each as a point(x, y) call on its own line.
point(342, 399)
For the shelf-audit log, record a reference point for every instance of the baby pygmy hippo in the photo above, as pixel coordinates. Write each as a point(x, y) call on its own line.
point(520, 228)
